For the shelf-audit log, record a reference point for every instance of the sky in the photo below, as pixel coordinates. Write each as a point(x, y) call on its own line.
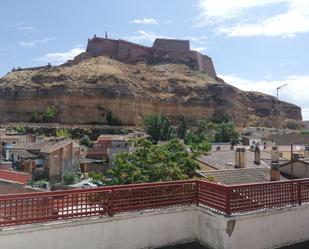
point(255, 45)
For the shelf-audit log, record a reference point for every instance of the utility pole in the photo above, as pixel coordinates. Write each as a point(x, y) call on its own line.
point(277, 105)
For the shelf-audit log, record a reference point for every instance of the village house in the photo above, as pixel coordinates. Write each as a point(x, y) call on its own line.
point(241, 166)
point(50, 160)
point(226, 158)
point(6, 165)
point(251, 140)
point(296, 168)
point(58, 160)
point(284, 141)
point(23, 159)
point(8, 141)
point(107, 146)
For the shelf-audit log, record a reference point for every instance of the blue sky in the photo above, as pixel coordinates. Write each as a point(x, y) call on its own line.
point(255, 44)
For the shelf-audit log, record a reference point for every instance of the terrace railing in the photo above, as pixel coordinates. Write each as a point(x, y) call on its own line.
point(16, 209)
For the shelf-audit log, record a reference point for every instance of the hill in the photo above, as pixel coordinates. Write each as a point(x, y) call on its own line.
point(83, 92)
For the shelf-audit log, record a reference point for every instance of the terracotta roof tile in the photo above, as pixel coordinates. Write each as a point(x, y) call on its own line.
point(238, 176)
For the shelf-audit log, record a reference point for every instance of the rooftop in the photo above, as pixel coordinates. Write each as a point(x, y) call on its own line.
point(219, 159)
point(14, 136)
point(12, 188)
point(112, 138)
point(14, 177)
point(237, 176)
point(49, 148)
point(44, 147)
point(23, 153)
point(291, 138)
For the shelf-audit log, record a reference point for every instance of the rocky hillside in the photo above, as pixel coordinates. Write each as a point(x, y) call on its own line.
point(85, 91)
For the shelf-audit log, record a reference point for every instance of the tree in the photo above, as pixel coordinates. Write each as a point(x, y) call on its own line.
point(225, 132)
point(63, 133)
point(36, 117)
point(85, 140)
point(158, 127)
point(198, 142)
point(182, 128)
point(218, 132)
point(154, 162)
point(221, 116)
point(69, 178)
point(96, 176)
point(20, 129)
point(111, 119)
point(49, 114)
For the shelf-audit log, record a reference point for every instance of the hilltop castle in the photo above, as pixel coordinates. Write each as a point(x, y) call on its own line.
point(163, 50)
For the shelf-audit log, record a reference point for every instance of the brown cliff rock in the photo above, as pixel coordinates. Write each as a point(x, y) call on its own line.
point(84, 91)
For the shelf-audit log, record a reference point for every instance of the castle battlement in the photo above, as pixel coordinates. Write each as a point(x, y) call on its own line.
point(163, 50)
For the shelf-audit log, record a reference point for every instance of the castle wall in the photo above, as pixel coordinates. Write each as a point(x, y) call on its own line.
point(101, 46)
point(204, 63)
point(131, 52)
point(171, 56)
point(168, 50)
point(172, 45)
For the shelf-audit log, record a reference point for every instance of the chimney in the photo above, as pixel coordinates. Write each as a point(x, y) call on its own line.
point(275, 154)
point(306, 152)
point(257, 155)
point(274, 172)
point(240, 158)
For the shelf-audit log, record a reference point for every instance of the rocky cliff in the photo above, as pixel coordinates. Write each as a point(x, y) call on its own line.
point(83, 92)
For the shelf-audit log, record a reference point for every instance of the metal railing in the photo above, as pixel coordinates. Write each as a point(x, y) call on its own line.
point(27, 208)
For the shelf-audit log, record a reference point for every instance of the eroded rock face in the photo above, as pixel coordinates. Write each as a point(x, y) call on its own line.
point(83, 92)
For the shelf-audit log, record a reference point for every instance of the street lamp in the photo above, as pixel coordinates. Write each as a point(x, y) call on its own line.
point(277, 104)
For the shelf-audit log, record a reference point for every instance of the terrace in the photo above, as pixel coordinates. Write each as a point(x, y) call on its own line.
point(216, 215)
point(228, 200)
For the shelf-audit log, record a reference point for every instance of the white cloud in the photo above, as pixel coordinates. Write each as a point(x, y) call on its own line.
point(297, 90)
point(143, 36)
point(60, 57)
point(198, 49)
point(19, 26)
point(235, 18)
point(217, 11)
point(148, 36)
point(145, 21)
point(35, 42)
point(305, 113)
point(197, 39)
point(26, 28)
